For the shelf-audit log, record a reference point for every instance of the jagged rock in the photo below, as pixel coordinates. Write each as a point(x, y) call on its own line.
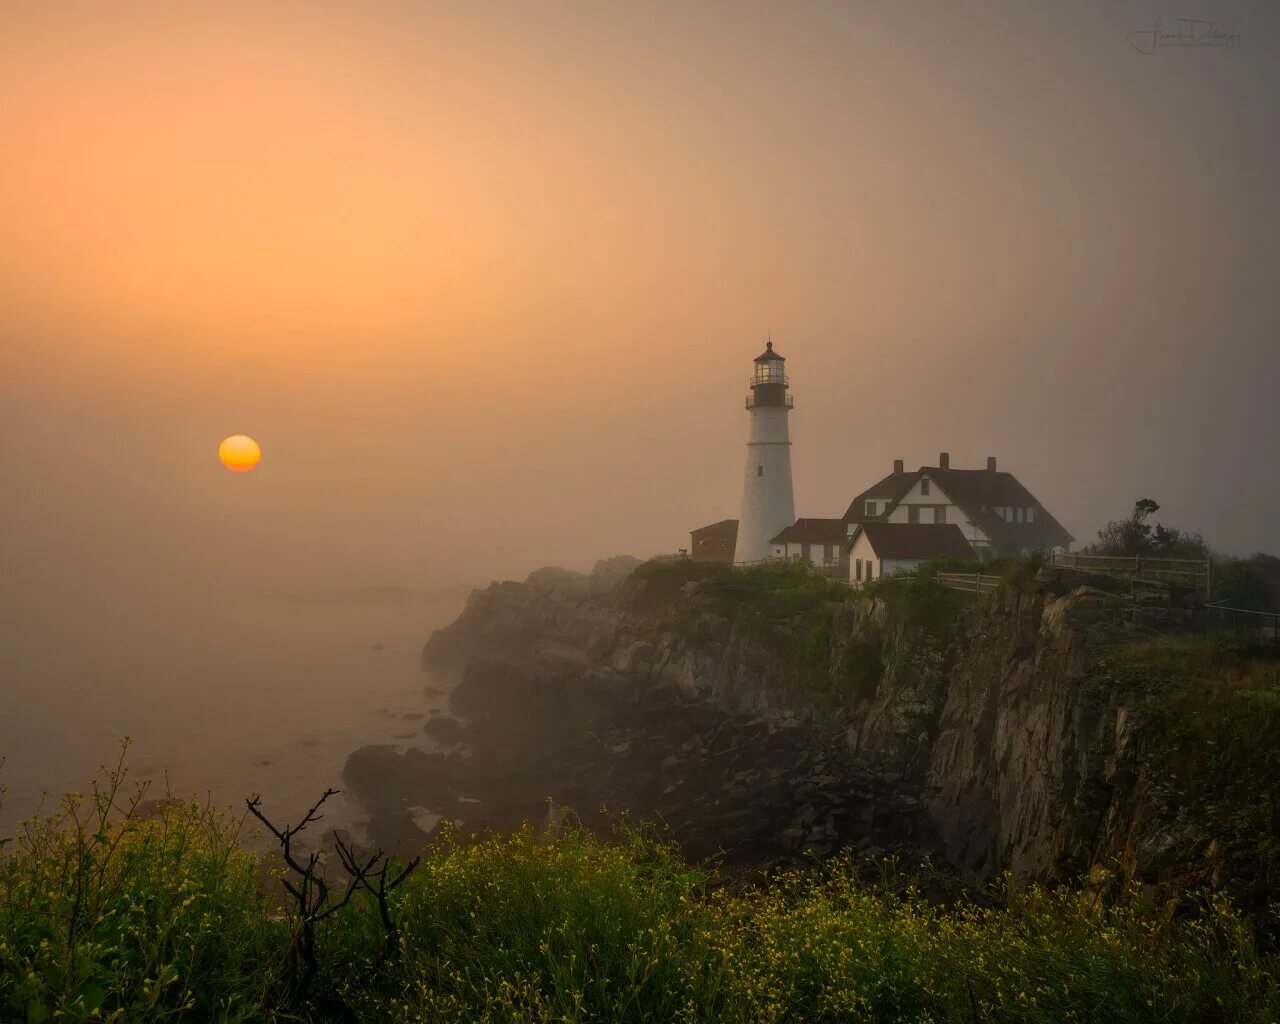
point(1003, 743)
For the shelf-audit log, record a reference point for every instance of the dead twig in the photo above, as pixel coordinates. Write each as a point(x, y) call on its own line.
point(309, 889)
point(376, 877)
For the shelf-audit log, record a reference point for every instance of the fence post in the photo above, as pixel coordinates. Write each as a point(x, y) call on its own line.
point(1208, 578)
point(1137, 566)
point(977, 583)
point(1077, 559)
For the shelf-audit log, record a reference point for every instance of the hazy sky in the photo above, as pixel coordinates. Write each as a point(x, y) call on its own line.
point(485, 280)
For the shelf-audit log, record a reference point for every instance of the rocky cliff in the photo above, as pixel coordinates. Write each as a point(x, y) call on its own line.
point(1005, 719)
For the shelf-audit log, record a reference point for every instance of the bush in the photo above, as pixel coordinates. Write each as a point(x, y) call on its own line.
point(162, 918)
point(108, 912)
point(660, 581)
point(824, 947)
point(536, 928)
point(921, 601)
point(786, 602)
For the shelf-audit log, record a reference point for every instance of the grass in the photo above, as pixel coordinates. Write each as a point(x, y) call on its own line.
point(784, 603)
point(774, 590)
point(109, 914)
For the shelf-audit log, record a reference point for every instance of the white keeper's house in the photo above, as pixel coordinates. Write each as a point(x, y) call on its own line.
point(996, 514)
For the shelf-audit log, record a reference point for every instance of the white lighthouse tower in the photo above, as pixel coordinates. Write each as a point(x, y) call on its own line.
point(768, 505)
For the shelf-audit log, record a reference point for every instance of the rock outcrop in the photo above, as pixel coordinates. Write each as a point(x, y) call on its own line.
point(1002, 737)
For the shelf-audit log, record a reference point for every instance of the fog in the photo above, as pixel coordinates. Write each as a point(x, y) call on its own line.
point(485, 281)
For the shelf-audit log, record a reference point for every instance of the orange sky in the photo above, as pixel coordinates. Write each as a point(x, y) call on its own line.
point(485, 280)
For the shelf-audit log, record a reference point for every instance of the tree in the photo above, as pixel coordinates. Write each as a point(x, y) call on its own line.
point(1133, 535)
point(1128, 536)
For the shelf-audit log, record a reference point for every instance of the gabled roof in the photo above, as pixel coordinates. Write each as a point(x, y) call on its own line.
point(891, 488)
point(813, 531)
point(915, 540)
point(724, 528)
point(977, 492)
point(768, 355)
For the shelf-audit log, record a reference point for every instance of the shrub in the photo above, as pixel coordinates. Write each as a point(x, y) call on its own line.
point(139, 918)
point(921, 601)
point(106, 911)
point(534, 928)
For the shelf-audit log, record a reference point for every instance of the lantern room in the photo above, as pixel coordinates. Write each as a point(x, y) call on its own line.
point(769, 381)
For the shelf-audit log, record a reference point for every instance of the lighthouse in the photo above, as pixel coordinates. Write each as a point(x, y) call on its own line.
point(768, 505)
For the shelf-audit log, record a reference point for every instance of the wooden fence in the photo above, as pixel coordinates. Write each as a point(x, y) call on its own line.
point(970, 582)
point(1196, 572)
point(1214, 616)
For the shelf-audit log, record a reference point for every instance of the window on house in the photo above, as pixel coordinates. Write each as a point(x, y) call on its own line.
point(871, 508)
point(924, 487)
point(871, 568)
point(759, 470)
point(857, 570)
point(913, 513)
point(940, 514)
point(1031, 515)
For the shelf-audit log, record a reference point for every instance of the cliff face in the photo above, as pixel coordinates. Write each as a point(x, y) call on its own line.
point(1025, 753)
point(1034, 748)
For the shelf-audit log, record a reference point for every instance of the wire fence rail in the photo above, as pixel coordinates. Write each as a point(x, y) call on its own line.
point(1221, 616)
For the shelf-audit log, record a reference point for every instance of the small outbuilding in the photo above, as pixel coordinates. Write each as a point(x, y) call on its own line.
point(714, 543)
point(820, 541)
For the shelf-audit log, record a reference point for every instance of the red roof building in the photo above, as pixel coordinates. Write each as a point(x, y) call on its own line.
point(714, 543)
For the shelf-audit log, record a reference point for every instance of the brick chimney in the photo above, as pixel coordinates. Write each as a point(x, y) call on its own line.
point(897, 467)
point(991, 463)
point(944, 460)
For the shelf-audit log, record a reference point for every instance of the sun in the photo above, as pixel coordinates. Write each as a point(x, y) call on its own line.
point(239, 453)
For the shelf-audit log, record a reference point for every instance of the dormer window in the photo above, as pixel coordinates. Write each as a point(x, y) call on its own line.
point(871, 508)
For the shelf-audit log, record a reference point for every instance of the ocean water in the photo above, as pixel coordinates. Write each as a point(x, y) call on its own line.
point(221, 695)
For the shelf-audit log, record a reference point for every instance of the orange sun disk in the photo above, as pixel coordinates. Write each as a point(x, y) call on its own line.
point(239, 453)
